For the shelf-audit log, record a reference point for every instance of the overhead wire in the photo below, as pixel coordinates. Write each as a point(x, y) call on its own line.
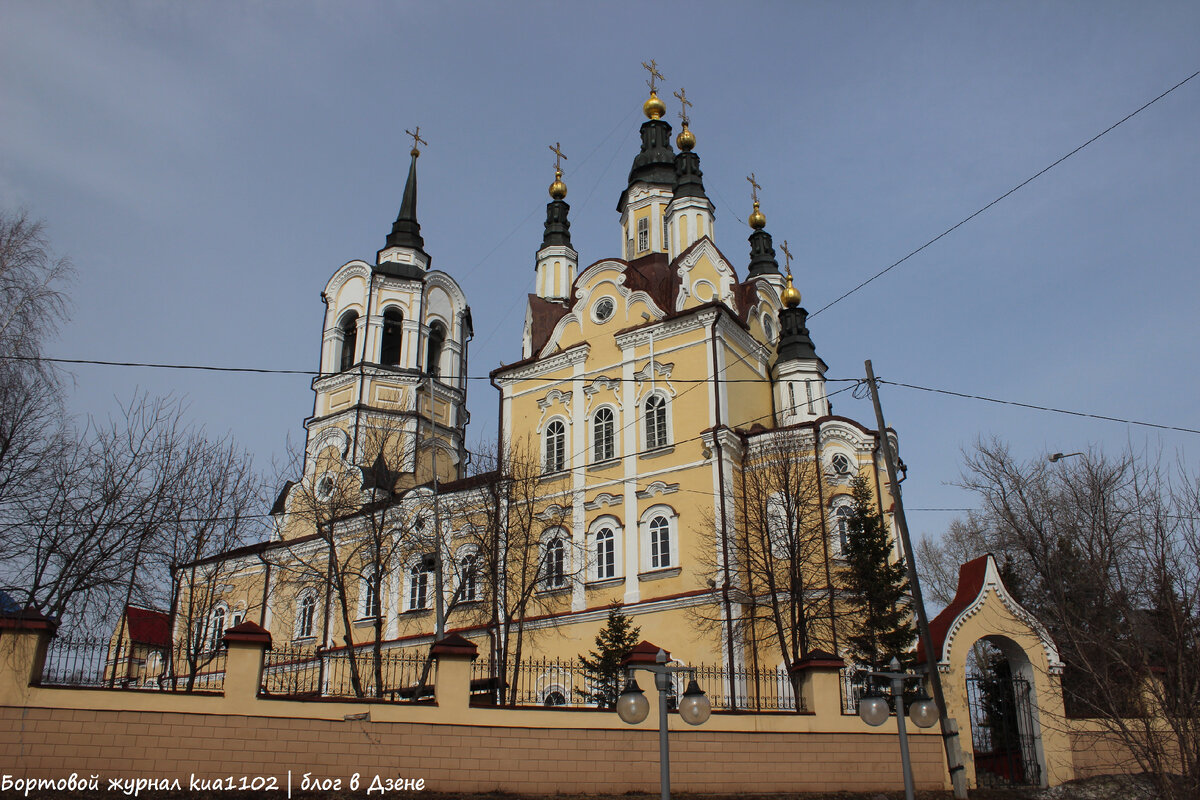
point(1011, 191)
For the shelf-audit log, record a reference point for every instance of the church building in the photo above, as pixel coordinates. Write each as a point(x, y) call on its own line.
point(666, 443)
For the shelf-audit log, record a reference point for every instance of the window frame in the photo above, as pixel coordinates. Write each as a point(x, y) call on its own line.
point(647, 535)
point(662, 437)
point(553, 568)
point(391, 336)
point(599, 456)
point(600, 526)
point(557, 464)
point(305, 623)
point(347, 328)
point(643, 234)
point(417, 588)
point(840, 513)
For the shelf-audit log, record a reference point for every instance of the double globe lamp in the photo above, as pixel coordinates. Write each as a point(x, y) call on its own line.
point(633, 707)
point(873, 710)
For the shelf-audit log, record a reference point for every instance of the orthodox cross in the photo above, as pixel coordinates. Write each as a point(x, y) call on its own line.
point(416, 136)
point(684, 104)
point(754, 187)
point(558, 156)
point(655, 75)
point(788, 255)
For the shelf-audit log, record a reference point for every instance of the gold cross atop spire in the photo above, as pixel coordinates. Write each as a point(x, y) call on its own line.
point(416, 137)
point(558, 156)
point(754, 187)
point(787, 254)
point(684, 105)
point(655, 75)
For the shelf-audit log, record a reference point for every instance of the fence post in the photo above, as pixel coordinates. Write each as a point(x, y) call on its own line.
point(247, 644)
point(24, 638)
point(820, 682)
point(452, 683)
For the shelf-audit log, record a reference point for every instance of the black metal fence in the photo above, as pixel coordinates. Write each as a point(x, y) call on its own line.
point(105, 664)
point(307, 673)
point(553, 682)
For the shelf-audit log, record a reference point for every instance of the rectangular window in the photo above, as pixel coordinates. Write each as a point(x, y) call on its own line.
point(660, 543)
point(606, 561)
point(666, 235)
point(643, 235)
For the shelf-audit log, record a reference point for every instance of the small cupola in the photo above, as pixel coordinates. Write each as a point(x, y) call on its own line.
point(690, 214)
point(798, 371)
point(643, 203)
point(557, 261)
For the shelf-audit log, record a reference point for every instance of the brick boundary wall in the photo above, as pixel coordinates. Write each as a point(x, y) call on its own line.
point(53, 743)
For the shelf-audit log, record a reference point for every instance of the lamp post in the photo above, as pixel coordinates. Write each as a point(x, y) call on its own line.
point(873, 710)
point(633, 707)
point(1053, 457)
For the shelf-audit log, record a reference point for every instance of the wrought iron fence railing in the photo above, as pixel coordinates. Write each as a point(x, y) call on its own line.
point(104, 664)
point(552, 682)
point(307, 673)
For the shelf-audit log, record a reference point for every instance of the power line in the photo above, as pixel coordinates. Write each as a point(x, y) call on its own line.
point(318, 374)
point(1036, 407)
point(1019, 186)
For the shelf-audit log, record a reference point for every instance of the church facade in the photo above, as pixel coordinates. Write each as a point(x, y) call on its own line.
point(666, 443)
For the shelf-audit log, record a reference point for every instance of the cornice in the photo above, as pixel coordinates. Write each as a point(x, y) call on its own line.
point(567, 358)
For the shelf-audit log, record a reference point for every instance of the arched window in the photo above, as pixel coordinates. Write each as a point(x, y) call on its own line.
point(556, 446)
point(660, 543)
point(216, 627)
point(841, 517)
point(433, 353)
point(606, 554)
point(304, 616)
point(389, 349)
point(603, 441)
point(554, 698)
point(554, 564)
point(418, 587)
point(370, 597)
point(349, 330)
point(656, 422)
point(468, 579)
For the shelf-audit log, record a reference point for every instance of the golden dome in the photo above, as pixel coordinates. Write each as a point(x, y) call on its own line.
point(791, 295)
point(686, 140)
point(653, 107)
point(558, 189)
point(758, 220)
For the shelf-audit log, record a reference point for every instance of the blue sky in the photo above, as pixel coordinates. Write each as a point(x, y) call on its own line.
point(208, 165)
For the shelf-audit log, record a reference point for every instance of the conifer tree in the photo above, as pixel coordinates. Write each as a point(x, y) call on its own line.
point(602, 666)
point(876, 587)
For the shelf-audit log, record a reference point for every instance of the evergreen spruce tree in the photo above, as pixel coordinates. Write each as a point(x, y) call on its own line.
point(602, 666)
point(876, 587)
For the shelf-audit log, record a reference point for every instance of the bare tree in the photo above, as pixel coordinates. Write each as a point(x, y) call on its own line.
point(1106, 553)
point(33, 439)
point(517, 527)
point(778, 568)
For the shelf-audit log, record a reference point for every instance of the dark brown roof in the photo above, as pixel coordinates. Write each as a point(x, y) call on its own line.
point(544, 314)
point(147, 626)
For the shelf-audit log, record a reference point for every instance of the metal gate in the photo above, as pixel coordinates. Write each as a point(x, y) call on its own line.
point(1002, 731)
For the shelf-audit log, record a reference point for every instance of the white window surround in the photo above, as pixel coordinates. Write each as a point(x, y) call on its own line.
point(467, 583)
point(370, 604)
point(554, 560)
point(841, 464)
point(615, 547)
point(672, 536)
point(839, 526)
point(418, 588)
point(656, 430)
point(602, 309)
point(554, 446)
point(604, 438)
point(216, 626)
point(306, 613)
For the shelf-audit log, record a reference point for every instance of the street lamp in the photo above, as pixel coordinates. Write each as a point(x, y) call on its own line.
point(1053, 457)
point(873, 710)
point(633, 707)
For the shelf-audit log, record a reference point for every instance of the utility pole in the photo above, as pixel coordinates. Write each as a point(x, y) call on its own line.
point(958, 776)
point(438, 598)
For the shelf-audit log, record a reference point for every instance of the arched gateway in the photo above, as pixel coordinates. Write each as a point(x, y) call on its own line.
point(1001, 675)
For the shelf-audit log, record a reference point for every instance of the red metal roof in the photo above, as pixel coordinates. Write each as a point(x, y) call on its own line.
point(148, 627)
point(970, 583)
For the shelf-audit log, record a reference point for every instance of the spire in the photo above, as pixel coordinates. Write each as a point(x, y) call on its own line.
point(406, 231)
point(655, 163)
point(689, 180)
point(558, 227)
point(762, 248)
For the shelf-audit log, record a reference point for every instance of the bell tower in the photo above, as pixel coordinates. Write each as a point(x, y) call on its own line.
point(392, 387)
point(798, 371)
point(643, 204)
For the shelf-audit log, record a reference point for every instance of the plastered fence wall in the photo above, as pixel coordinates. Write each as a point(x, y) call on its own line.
point(53, 732)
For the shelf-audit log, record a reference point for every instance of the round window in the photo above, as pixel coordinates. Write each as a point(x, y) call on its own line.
point(603, 309)
point(325, 487)
point(768, 329)
point(841, 464)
